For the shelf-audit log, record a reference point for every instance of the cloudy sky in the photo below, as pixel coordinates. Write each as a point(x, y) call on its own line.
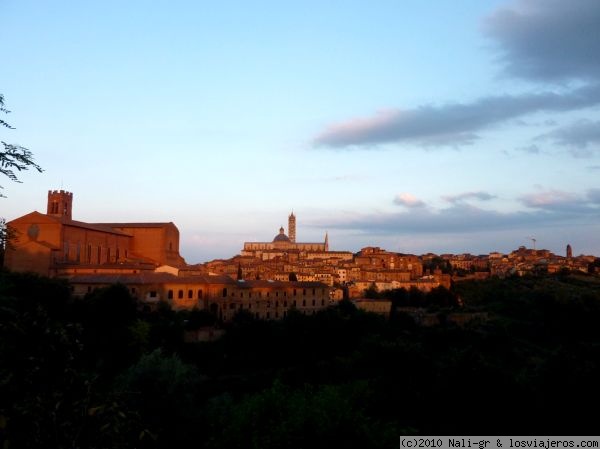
point(416, 126)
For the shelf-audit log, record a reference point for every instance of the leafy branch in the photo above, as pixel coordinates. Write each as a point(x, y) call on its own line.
point(14, 158)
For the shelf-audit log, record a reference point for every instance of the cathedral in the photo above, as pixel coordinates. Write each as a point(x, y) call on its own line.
point(283, 244)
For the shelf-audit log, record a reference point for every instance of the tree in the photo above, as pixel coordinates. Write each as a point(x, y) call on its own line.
point(14, 158)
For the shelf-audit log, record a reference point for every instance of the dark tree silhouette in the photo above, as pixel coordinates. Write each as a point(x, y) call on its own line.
point(14, 158)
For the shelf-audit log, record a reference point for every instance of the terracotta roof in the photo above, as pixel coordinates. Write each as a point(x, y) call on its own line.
point(93, 226)
point(135, 225)
point(147, 278)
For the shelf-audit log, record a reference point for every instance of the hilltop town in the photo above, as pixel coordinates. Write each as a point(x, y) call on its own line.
point(266, 278)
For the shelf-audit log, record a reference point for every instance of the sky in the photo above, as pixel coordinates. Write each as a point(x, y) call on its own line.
point(445, 126)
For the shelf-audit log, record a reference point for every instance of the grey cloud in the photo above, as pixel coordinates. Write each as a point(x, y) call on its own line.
point(548, 40)
point(457, 219)
point(578, 136)
point(531, 149)
point(451, 124)
point(545, 209)
point(564, 202)
point(593, 196)
point(482, 196)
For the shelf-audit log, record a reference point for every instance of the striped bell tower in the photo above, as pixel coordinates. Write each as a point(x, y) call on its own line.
point(292, 227)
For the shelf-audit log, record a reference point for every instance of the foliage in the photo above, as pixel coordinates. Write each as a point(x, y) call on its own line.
point(98, 372)
point(14, 158)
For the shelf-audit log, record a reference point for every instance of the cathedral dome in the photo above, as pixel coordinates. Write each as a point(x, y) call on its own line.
point(281, 237)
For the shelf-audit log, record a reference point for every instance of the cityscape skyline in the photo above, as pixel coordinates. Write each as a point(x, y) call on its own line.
point(460, 128)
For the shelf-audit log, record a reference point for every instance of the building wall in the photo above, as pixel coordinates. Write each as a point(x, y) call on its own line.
point(160, 243)
point(87, 246)
point(262, 299)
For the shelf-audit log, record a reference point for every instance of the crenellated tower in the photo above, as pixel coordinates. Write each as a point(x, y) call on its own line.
point(292, 227)
point(326, 241)
point(60, 204)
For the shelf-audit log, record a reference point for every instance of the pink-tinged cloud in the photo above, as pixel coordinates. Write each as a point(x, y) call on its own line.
point(408, 200)
point(451, 124)
point(549, 198)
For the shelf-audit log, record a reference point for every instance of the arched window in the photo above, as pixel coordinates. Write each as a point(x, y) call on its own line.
point(180, 294)
point(200, 294)
point(224, 292)
point(170, 294)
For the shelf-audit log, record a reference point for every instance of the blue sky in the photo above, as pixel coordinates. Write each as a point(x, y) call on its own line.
point(415, 126)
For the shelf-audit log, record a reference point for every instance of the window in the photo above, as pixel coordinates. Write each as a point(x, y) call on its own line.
point(224, 292)
point(249, 294)
point(232, 306)
point(304, 291)
point(190, 294)
point(200, 294)
point(117, 255)
point(304, 303)
point(314, 291)
point(294, 292)
point(170, 294)
point(99, 253)
point(322, 302)
point(133, 290)
point(284, 303)
point(313, 303)
point(276, 303)
point(241, 294)
point(180, 294)
point(107, 255)
point(276, 293)
point(153, 294)
point(89, 254)
point(294, 303)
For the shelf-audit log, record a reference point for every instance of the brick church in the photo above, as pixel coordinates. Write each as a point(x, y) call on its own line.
point(54, 244)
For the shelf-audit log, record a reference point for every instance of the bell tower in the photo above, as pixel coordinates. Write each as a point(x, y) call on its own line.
point(292, 227)
point(60, 204)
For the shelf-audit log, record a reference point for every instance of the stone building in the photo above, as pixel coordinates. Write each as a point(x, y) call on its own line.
point(221, 295)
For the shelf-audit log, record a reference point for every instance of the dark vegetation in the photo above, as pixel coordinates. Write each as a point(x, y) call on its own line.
point(98, 372)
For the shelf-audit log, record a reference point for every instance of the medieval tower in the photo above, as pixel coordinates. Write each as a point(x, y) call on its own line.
point(60, 204)
point(292, 227)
